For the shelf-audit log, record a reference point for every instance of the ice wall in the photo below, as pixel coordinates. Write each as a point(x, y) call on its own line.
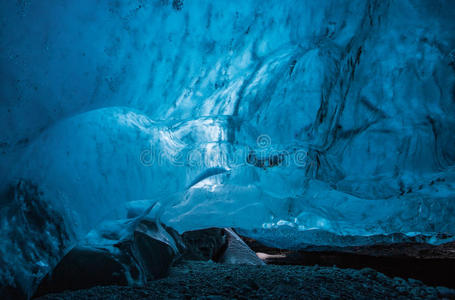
point(332, 116)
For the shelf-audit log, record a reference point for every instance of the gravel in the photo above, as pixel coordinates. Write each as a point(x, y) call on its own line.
point(208, 280)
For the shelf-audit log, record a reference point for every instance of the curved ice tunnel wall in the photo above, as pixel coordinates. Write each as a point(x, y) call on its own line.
point(307, 115)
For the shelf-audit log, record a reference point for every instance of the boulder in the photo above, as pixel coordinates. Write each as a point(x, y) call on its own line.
point(204, 244)
point(220, 245)
point(119, 253)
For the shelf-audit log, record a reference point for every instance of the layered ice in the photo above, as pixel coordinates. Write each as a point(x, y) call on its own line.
point(297, 122)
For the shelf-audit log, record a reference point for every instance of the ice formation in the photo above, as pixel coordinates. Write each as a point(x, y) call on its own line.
point(298, 122)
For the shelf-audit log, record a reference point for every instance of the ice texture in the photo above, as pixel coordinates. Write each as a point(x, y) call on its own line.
point(309, 121)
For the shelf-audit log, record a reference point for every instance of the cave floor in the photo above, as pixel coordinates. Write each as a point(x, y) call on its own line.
point(434, 265)
point(208, 280)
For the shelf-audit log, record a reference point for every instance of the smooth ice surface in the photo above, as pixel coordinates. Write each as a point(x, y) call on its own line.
point(311, 120)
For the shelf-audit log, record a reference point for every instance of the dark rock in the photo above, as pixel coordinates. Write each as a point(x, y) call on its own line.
point(154, 256)
point(82, 268)
point(218, 244)
point(109, 258)
point(205, 244)
point(431, 264)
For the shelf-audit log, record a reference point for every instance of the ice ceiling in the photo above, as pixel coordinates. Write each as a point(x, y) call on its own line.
point(316, 119)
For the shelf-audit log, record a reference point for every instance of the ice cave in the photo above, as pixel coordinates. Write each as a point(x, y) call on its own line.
point(142, 137)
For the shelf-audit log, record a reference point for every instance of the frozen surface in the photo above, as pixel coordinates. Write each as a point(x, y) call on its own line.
point(320, 119)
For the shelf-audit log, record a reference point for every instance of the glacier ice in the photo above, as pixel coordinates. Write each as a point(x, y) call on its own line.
point(297, 122)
